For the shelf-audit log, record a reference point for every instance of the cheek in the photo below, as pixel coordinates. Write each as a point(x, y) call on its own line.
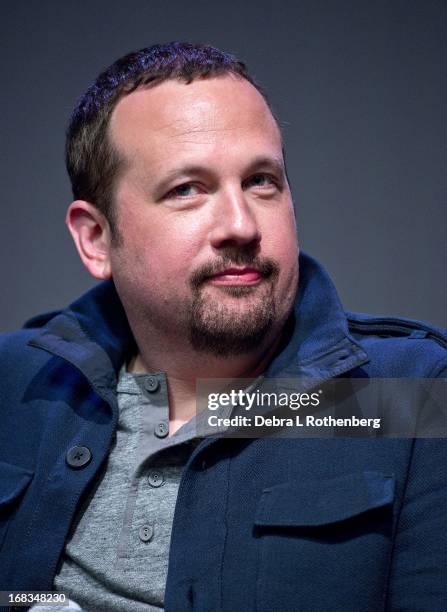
point(164, 251)
point(283, 247)
point(282, 240)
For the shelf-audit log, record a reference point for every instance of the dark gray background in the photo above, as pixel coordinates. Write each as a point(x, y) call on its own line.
point(361, 87)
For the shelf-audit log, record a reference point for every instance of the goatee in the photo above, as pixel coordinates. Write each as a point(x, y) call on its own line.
point(222, 329)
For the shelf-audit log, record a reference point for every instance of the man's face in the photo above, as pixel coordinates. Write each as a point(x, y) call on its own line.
point(207, 247)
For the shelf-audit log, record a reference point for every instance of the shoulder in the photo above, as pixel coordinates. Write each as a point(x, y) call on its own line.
point(16, 344)
point(398, 346)
point(19, 361)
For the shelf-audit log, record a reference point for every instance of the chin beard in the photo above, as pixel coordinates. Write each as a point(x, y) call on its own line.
point(223, 330)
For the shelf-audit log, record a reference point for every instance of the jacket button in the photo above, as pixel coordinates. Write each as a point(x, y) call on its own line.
point(151, 384)
point(161, 429)
point(146, 533)
point(78, 457)
point(155, 479)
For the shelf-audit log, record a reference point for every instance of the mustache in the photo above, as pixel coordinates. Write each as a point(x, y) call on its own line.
point(265, 266)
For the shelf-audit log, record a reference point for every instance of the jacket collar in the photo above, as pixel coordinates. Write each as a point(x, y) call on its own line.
point(320, 344)
point(94, 335)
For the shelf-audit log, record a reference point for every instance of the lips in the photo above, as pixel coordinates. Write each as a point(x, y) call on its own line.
point(236, 276)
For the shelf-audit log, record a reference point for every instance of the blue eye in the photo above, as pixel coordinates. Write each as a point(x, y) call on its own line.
point(183, 191)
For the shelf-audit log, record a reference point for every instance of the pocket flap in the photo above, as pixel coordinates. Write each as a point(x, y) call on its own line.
point(13, 481)
point(321, 502)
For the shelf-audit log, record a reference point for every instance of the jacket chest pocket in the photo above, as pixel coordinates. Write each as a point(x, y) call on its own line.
point(14, 481)
point(324, 545)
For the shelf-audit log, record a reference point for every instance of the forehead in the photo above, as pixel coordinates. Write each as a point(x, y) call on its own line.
point(208, 115)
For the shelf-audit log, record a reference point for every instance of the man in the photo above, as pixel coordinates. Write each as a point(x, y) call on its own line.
point(182, 206)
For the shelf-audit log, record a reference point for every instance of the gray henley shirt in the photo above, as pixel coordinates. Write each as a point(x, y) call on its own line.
point(116, 557)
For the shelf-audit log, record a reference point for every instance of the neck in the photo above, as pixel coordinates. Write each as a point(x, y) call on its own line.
point(183, 366)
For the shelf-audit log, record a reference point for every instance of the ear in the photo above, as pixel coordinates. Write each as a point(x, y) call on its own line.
point(90, 231)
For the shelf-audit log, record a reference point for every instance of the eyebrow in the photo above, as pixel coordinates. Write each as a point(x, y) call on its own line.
point(265, 161)
point(262, 161)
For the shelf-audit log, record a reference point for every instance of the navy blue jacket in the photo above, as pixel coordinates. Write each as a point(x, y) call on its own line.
point(260, 524)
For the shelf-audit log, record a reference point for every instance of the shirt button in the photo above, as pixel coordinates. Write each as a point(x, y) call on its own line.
point(151, 384)
point(155, 479)
point(78, 457)
point(146, 533)
point(161, 429)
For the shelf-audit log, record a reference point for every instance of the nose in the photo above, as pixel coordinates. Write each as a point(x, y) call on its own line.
point(235, 223)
